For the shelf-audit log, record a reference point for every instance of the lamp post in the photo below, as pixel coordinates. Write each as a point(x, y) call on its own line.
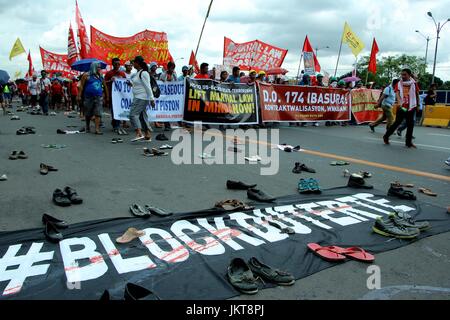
point(428, 42)
point(439, 27)
point(317, 49)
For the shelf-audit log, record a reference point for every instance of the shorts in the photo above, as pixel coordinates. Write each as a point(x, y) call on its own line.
point(93, 106)
point(7, 96)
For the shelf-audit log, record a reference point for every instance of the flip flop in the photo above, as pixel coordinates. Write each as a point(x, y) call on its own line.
point(428, 192)
point(355, 253)
point(325, 253)
point(399, 185)
point(130, 235)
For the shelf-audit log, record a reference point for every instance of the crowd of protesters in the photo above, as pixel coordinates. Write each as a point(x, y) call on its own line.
point(90, 94)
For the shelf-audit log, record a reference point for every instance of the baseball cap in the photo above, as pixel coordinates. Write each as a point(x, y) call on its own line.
point(153, 64)
point(128, 63)
point(185, 68)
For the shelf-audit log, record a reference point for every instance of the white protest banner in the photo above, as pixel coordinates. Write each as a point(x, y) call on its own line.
point(169, 106)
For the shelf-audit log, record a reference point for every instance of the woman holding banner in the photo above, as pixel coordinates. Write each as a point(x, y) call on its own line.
point(142, 96)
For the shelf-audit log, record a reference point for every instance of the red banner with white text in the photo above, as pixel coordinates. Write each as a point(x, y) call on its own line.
point(364, 102)
point(280, 103)
point(56, 63)
point(153, 46)
point(255, 55)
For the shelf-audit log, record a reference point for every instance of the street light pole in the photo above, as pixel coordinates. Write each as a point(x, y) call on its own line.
point(438, 31)
point(428, 42)
point(317, 49)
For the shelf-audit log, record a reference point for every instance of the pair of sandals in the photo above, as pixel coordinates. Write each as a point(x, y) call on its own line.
point(339, 163)
point(338, 254)
point(15, 118)
point(26, 130)
point(287, 148)
point(309, 186)
point(18, 155)
point(154, 153)
point(148, 211)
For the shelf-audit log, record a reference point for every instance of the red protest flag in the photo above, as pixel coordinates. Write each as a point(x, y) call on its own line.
point(83, 40)
point(72, 52)
point(193, 62)
point(307, 47)
point(30, 66)
point(373, 57)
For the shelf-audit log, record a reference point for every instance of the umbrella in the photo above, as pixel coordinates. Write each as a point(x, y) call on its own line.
point(352, 79)
point(85, 65)
point(276, 71)
point(4, 77)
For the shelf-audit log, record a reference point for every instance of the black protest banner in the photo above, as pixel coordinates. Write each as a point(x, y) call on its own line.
point(212, 102)
point(185, 257)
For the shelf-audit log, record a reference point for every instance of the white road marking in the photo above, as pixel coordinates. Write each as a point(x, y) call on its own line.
point(438, 134)
point(419, 145)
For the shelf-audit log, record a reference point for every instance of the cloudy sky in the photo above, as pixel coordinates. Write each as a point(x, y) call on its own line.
point(283, 23)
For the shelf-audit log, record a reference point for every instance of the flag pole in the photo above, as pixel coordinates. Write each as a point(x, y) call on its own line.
point(299, 66)
point(203, 28)
point(339, 54)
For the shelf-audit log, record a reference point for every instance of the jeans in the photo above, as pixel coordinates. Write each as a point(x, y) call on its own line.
point(43, 102)
point(402, 115)
point(138, 114)
point(387, 115)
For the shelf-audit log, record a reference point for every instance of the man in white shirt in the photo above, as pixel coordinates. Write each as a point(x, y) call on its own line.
point(44, 85)
point(34, 88)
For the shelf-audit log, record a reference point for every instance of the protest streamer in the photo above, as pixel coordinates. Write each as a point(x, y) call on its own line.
point(57, 63)
point(364, 102)
point(212, 102)
point(255, 55)
point(169, 107)
point(280, 103)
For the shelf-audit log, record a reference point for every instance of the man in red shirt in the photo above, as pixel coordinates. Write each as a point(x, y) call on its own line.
point(109, 79)
point(204, 72)
point(407, 91)
point(74, 93)
point(57, 94)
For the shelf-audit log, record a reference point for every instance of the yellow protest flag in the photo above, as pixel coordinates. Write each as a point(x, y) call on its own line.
point(17, 49)
point(353, 41)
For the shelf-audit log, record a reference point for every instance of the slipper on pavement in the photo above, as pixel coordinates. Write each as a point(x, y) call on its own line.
point(130, 235)
point(325, 253)
point(355, 253)
point(428, 192)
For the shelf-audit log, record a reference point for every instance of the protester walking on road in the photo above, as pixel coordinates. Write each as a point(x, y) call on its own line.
point(74, 93)
point(34, 88)
point(407, 91)
point(142, 96)
point(110, 76)
point(93, 88)
point(185, 71)
point(204, 72)
point(169, 76)
point(128, 69)
point(44, 92)
point(387, 101)
point(57, 94)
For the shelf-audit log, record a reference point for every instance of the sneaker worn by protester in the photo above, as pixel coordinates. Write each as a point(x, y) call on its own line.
point(60, 198)
point(389, 228)
point(241, 277)
point(270, 274)
point(258, 195)
point(238, 185)
point(407, 221)
point(357, 181)
point(72, 195)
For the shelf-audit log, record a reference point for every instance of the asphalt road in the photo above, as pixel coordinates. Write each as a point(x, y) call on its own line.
point(111, 177)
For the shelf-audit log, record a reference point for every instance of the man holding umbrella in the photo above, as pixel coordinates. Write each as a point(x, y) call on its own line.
point(92, 89)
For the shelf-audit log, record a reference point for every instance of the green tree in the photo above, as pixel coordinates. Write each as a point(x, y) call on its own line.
point(390, 67)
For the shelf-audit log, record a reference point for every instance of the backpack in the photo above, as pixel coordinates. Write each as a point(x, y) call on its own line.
point(154, 85)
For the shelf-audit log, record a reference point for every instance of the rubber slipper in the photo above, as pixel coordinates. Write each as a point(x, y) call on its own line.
point(325, 253)
point(130, 235)
point(428, 192)
point(355, 253)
